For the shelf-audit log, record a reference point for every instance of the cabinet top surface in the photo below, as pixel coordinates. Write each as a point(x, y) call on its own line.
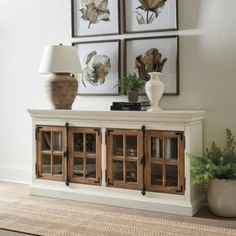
point(135, 116)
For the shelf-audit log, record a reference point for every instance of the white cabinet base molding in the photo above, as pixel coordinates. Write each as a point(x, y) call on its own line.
point(128, 159)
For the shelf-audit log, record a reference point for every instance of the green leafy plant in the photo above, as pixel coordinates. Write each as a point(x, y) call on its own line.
point(217, 163)
point(130, 83)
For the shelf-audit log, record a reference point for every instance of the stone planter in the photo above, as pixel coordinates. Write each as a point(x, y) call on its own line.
point(221, 197)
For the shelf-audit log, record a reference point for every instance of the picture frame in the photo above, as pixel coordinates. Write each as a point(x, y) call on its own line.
point(88, 23)
point(168, 46)
point(138, 18)
point(100, 62)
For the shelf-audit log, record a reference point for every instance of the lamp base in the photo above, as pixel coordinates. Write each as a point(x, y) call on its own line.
point(63, 90)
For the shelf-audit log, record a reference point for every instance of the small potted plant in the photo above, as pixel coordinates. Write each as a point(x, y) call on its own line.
point(129, 85)
point(218, 168)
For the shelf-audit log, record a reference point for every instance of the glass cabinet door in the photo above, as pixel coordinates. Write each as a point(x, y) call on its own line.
point(51, 144)
point(123, 158)
point(85, 149)
point(165, 161)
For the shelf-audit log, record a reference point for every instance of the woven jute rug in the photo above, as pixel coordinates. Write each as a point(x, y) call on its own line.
point(66, 218)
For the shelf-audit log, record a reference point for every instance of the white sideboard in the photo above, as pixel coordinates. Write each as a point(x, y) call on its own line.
point(188, 123)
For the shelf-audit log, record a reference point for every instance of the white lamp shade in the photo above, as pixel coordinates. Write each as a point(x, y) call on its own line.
point(60, 59)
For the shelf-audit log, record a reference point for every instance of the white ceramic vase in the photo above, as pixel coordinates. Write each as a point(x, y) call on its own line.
point(154, 89)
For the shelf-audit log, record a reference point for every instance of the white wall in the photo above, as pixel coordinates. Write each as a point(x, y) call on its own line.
point(207, 70)
point(26, 26)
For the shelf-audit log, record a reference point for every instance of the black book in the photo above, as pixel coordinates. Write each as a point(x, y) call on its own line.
point(125, 108)
point(131, 103)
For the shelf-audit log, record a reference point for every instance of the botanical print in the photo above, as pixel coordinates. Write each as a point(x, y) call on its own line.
point(100, 62)
point(149, 10)
point(151, 61)
point(154, 54)
point(96, 69)
point(94, 11)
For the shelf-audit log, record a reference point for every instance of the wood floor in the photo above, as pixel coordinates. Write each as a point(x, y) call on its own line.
point(204, 216)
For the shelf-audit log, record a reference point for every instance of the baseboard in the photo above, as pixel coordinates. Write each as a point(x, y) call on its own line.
point(114, 199)
point(15, 173)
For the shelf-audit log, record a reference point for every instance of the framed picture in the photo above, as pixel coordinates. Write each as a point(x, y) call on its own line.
point(100, 61)
point(143, 55)
point(95, 17)
point(150, 15)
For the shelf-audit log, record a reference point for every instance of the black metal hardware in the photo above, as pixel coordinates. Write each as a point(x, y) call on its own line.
point(180, 134)
point(67, 154)
point(181, 189)
point(143, 191)
point(109, 131)
point(37, 128)
point(106, 137)
point(108, 182)
point(106, 175)
point(182, 137)
point(98, 130)
point(98, 181)
point(99, 133)
point(37, 171)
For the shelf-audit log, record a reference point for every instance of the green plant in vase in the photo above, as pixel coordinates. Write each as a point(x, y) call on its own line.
point(218, 168)
point(130, 85)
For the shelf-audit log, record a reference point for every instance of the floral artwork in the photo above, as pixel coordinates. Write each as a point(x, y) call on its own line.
point(100, 62)
point(150, 15)
point(95, 17)
point(151, 61)
point(96, 69)
point(154, 54)
point(149, 10)
point(94, 11)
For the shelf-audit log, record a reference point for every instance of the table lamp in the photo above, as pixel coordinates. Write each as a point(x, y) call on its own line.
point(62, 63)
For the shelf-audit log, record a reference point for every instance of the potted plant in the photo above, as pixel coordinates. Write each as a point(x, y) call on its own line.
point(129, 85)
point(218, 168)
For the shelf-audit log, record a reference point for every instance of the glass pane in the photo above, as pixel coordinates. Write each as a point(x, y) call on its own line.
point(118, 145)
point(118, 170)
point(57, 165)
point(91, 143)
point(156, 148)
point(171, 148)
point(91, 168)
point(78, 166)
point(131, 146)
point(131, 171)
point(156, 174)
point(57, 141)
point(78, 142)
point(171, 175)
point(46, 164)
point(46, 141)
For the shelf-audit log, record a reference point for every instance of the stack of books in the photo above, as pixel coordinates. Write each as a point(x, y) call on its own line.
point(129, 106)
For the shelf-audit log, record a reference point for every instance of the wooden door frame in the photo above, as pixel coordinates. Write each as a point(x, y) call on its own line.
point(124, 132)
point(179, 163)
point(39, 152)
point(84, 131)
